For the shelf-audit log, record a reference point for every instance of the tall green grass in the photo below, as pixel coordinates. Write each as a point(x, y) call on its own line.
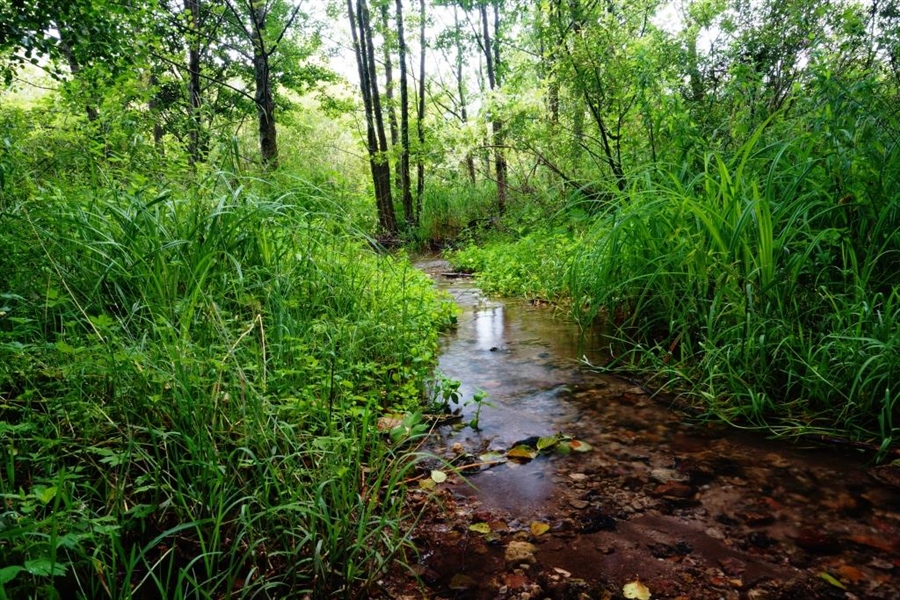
point(752, 287)
point(454, 209)
point(189, 383)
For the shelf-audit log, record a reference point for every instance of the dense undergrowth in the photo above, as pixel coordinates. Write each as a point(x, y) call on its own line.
point(192, 364)
point(748, 284)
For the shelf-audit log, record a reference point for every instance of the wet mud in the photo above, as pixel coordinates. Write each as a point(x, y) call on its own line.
point(662, 504)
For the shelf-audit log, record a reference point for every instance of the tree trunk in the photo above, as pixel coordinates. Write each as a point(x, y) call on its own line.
point(152, 106)
point(196, 146)
point(420, 116)
point(404, 120)
point(389, 80)
point(381, 174)
point(492, 59)
point(265, 102)
point(548, 63)
point(461, 89)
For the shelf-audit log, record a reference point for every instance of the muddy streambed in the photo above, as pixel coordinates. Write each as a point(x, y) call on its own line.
point(660, 505)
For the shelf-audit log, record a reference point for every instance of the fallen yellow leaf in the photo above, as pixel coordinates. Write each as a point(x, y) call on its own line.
point(636, 591)
point(538, 528)
point(480, 528)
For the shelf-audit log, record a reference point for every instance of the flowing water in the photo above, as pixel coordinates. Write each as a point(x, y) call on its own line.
point(687, 509)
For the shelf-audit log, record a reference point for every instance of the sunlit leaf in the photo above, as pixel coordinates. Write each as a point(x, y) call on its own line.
point(46, 495)
point(547, 442)
point(636, 590)
point(492, 457)
point(538, 528)
point(522, 452)
point(44, 567)
point(438, 476)
point(830, 579)
point(480, 528)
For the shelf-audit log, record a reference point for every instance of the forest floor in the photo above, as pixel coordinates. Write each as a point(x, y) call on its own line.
point(661, 507)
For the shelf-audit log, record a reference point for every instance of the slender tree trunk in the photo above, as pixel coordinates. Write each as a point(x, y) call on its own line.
point(549, 60)
point(265, 102)
point(195, 102)
point(486, 131)
point(404, 120)
point(152, 106)
point(492, 58)
point(366, 91)
point(389, 80)
point(377, 142)
point(420, 116)
point(461, 89)
point(577, 134)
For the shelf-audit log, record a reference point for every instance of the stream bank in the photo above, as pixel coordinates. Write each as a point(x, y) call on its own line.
point(661, 504)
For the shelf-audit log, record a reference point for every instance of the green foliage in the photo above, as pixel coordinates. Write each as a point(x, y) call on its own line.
point(756, 289)
point(533, 265)
point(190, 381)
point(453, 209)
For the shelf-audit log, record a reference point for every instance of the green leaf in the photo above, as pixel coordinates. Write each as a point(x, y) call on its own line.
point(46, 495)
point(438, 476)
point(44, 567)
point(522, 452)
point(547, 442)
point(830, 579)
point(492, 457)
point(7, 574)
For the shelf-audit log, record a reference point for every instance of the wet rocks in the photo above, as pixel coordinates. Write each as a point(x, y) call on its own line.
point(666, 476)
point(594, 520)
point(815, 541)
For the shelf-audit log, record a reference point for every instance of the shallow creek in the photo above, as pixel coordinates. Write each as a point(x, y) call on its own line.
point(662, 504)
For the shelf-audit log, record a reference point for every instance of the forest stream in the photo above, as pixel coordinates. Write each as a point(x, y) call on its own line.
point(660, 506)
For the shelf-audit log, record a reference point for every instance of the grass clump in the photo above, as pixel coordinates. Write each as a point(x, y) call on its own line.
point(755, 290)
point(189, 384)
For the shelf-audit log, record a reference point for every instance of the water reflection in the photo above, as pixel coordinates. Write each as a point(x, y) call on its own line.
point(489, 327)
point(524, 359)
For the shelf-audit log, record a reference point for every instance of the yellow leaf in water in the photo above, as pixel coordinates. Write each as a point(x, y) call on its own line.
point(522, 453)
point(636, 591)
point(480, 528)
point(538, 528)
